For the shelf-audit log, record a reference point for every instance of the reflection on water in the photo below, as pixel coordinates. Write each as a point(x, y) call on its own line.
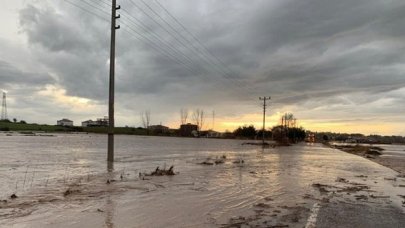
point(109, 210)
point(64, 157)
point(110, 166)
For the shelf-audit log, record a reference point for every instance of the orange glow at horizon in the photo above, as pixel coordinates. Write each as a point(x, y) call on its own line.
point(231, 123)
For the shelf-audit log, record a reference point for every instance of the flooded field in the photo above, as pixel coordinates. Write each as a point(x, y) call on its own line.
point(61, 181)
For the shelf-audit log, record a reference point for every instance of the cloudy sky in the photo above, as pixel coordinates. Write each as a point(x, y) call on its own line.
point(336, 65)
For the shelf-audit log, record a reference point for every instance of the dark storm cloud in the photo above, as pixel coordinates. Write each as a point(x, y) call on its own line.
point(304, 46)
point(52, 31)
point(298, 51)
point(75, 51)
point(11, 75)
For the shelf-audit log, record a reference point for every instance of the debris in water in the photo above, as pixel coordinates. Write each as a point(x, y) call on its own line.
point(110, 181)
point(70, 191)
point(354, 188)
point(379, 197)
point(13, 196)
point(219, 161)
point(207, 162)
point(390, 178)
point(342, 180)
point(256, 144)
point(361, 197)
point(268, 198)
point(262, 205)
point(162, 172)
point(373, 152)
point(321, 187)
point(239, 161)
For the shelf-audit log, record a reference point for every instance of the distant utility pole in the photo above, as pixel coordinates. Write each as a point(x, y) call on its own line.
point(264, 99)
point(4, 107)
point(110, 157)
point(213, 119)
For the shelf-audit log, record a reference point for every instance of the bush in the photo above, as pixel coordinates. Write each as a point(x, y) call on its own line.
point(4, 129)
point(245, 132)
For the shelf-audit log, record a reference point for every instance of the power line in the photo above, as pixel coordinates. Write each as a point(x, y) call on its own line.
point(160, 25)
point(160, 48)
point(156, 47)
point(135, 34)
point(189, 60)
point(195, 38)
point(96, 6)
point(88, 11)
point(99, 1)
point(156, 37)
point(195, 50)
point(177, 39)
point(199, 53)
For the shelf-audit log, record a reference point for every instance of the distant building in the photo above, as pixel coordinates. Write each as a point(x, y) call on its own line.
point(213, 134)
point(64, 122)
point(188, 130)
point(100, 122)
point(158, 129)
point(87, 123)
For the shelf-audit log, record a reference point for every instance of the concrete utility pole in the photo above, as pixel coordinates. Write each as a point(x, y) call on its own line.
point(264, 99)
point(110, 157)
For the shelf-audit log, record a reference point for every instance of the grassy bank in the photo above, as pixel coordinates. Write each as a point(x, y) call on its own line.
point(10, 126)
point(21, 127)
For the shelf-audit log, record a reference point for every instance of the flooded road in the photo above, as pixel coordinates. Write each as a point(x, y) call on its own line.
point(61, 181)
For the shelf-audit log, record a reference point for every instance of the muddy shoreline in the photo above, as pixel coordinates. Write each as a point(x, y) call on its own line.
point(374, 154)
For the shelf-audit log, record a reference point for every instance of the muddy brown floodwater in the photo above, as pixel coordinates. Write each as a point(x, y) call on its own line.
point(62, 181)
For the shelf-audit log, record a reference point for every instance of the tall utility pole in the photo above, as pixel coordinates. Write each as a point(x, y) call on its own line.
point(110, 157)
point(4, 107)
point(264, 99)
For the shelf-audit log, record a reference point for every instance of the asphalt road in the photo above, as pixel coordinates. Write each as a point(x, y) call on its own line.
point(359, 216)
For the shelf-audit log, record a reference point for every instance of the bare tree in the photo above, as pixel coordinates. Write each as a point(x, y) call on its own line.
point(288, 120)
point(198, 118)
point(145, 117)
point(183, 116)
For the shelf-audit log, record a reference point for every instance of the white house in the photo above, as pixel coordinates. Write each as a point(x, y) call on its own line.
point(64, 122)
point(100, 122)
point(88, 123)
